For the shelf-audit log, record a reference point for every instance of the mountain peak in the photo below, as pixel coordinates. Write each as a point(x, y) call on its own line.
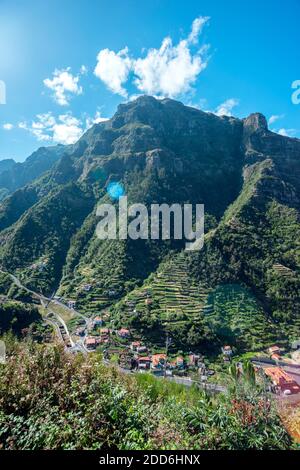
point(256, 121)
point(146, 102)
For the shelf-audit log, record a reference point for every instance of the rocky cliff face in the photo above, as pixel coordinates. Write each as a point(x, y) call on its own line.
point(282, 155)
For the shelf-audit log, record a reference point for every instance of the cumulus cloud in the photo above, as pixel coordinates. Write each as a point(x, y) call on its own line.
point(275, 117)
point(40, 127)
point(168, 71)
point(8, 126)
point(67, 130)
point(286, 132)
point(64, 129)
point(225, 108)
point(64, 85)
point(281, 131)
point(113, 69)
point(90, 121)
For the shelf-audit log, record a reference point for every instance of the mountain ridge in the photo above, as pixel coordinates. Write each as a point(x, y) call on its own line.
point(16, 175)
point(163, 151)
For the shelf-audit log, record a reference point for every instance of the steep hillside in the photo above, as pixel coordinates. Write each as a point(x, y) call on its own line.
point(16, 175)
point(170, 300)
point(39, 241)
point(257, 241)
point(247, 177)
point(6, 164)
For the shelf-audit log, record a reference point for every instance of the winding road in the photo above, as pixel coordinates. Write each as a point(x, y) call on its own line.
point(46, 301)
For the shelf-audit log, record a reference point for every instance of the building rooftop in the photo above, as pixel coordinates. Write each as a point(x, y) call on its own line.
point(275, 357)
point(123, 331)
point(274, 349)
point(104, 331)
point(156, 358)
point(278, 375)
point(90, 340)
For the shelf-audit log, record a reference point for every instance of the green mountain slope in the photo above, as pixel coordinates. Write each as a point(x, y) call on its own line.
point(37, 244)
point(16, 175)
point(162, 151)
point(6, 164)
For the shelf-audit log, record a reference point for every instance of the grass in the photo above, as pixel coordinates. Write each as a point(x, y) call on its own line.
point(158, 387)
point(65, 313)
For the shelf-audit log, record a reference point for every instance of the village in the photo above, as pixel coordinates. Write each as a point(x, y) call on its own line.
point(120, 348)
point(277, 368)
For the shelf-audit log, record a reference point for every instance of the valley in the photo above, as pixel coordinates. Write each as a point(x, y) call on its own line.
point(149, 309)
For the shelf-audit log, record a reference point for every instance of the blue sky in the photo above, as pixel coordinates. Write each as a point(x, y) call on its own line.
point(67, 64)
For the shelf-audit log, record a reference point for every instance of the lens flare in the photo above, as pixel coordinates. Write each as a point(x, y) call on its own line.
point(115, 190)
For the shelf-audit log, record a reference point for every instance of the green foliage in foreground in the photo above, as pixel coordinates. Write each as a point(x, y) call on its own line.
point(50, 400)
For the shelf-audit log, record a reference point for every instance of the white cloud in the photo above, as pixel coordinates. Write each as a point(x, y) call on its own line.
point(90, 121)
point(286, 132)
point(113, 69)
point(83, 70)
point(64, 129)
point(8, 126)
point(64, 84)
point(197, 26)
point(67, 130)
point(275, 118)
point(225, 108)
point(40, 127)
point(167, 71)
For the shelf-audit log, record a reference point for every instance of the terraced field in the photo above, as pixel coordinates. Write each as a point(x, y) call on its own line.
point(171, 300)
point(103, 278)
point(170, 295)
point(282, 270)
point(233, 313)
point(176, 293)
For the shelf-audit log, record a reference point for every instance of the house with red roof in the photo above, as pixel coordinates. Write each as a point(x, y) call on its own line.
point(158, 361)
point(134, 345)
point(144, 362)
point(124, 333)
point(98, 321)
point(282, 381)
point(91, 342)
